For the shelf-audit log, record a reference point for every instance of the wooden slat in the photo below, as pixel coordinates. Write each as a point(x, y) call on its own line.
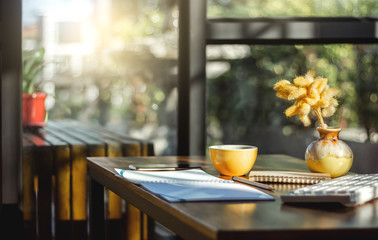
point(28, 193)
point(130, 145)
point(133, 222)
point(78, 175)
point(81, 147)
point(93, 147)
point(43, 154)
point(77, 157)
point(136, 227)
point(114, 204)
point(113, 145)
point(62, 174)
point(62, 184)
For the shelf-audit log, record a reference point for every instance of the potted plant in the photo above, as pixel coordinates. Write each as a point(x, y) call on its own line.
point(328, 154)
point(33, 100)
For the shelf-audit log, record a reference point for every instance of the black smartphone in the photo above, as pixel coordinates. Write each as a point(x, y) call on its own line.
point(161, 167)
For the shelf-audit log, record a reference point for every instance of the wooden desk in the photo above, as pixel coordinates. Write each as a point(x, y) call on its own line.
point(231, 220)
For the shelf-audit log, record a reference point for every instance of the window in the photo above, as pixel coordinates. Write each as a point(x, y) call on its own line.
point(242, 106)
point(121, 65)
point(69, 32)
point(111, 62)
point(252, 44)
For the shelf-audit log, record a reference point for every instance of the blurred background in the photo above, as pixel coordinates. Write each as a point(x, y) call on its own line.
point(114, 62)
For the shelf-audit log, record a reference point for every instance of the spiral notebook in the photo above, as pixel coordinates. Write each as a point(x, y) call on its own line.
point(192, 185)
point(288, 177)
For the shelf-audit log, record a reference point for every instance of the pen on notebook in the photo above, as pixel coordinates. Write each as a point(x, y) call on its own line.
point(252, 183)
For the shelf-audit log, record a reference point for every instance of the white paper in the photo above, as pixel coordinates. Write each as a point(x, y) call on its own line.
point(169, 176)
point(192, 185)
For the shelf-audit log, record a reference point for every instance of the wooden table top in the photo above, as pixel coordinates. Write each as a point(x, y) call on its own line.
point(240, 220)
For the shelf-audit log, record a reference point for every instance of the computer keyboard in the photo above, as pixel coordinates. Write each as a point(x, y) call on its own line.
point(349, 190)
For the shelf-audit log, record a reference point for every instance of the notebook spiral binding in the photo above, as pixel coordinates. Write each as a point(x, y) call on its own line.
point(288, 177)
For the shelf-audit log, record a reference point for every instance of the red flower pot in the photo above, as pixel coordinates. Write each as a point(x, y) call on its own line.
point(33, 109)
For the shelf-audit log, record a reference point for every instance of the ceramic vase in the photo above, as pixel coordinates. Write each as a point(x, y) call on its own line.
point(329, 154)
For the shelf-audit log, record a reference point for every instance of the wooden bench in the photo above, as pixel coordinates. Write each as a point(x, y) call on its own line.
point(54, 179)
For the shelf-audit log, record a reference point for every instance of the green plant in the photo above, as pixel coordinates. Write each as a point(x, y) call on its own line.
point(32, 65)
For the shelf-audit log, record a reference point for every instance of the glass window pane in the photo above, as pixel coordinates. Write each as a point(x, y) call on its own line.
point(291, 8)
point(113, 62)
point(242, 106)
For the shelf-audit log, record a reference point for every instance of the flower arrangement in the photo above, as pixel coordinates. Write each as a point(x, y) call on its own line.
point(309, 93)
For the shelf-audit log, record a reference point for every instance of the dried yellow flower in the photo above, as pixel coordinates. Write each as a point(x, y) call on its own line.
point(301, 81)
point(309, 93)
point(291, 111)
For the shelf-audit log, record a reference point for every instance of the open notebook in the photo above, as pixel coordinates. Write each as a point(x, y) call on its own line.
point(192, 185)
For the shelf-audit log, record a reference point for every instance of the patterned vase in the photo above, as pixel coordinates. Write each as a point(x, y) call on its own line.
point(329, 154)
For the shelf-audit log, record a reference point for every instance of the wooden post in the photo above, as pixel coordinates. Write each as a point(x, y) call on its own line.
point(192, 78)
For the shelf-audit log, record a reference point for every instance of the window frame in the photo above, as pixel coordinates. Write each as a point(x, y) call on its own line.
point(196, 31)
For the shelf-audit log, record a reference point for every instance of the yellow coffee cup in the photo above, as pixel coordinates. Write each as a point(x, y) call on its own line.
point(233, 160)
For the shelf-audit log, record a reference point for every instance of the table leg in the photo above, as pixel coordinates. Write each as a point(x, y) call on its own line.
point(44, 193)
point(150, 228)
point(96, 211)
